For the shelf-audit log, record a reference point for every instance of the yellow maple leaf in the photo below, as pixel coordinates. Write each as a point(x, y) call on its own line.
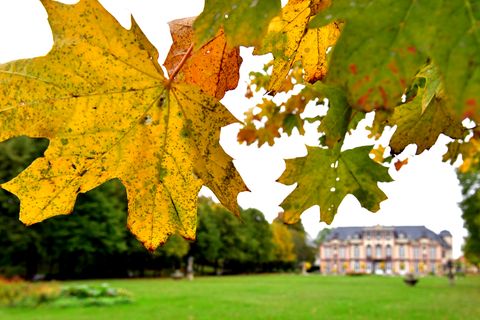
point(101, 99)
point(290, 40)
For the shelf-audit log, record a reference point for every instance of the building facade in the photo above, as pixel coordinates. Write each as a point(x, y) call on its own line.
point(385, 250)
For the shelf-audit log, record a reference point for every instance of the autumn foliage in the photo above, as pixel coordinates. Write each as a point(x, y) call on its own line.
point(109, 111)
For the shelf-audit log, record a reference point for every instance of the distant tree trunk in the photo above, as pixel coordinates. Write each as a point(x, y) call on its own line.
point(31, 262)
point(190, 268)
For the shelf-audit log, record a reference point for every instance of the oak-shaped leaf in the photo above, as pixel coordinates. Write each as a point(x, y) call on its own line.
point(101, 99)
point(384, 44)
point(291, 41)
point(325, 176)
point(214, 67)
point(244, 21)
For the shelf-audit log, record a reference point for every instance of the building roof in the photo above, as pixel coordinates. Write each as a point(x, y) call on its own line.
point(409, 232)
point(445, 233)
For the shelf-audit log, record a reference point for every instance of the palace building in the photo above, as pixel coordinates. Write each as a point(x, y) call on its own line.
point(385, 250)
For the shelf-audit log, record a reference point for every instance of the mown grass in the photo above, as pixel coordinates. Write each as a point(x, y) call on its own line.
point(279, 297)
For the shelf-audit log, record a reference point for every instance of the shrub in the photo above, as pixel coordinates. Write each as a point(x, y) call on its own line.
point(93, 295)
point(18, 293)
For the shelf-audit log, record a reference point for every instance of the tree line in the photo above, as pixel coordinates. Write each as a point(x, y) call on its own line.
point(470, 205)
point(94, 241)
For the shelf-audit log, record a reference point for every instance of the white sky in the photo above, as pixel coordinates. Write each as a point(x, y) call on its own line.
point(425, 192)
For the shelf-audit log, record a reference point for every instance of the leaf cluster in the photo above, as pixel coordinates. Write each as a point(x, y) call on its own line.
point(395, 63)
point(109, 112)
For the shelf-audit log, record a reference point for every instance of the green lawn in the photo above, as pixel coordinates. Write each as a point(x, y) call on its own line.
point(279, 297)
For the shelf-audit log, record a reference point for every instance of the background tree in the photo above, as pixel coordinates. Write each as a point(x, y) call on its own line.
point(175, 250)
point(470, 205)
point(208, 245)
point(20, 245)
point(284, 247)
point(93, 243)
point(322, 236)
point(226, 242)
point(304, 249)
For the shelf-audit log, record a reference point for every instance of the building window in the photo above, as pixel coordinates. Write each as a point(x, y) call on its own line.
point(378, 235)
point(369, 267)
point(416, 267)
point(433, 253)
point(401, 251)
point(388, 251)
point(327, 252)
point(356, 266)
point(387, 236)
point(356, 251)
point(369, 251)
point(368, 235)
point(341, 252)
point(378, 251)
point(416, 252)
point(388, 267)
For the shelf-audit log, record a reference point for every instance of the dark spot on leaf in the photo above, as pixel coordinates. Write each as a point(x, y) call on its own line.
point(147, 120)
point(160, 102)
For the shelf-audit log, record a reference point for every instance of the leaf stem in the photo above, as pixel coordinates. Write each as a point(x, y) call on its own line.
point(180, 65)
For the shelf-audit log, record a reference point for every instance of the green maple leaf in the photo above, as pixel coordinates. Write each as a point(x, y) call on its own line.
point(340, 117)
point(385, 42)
point(424, 118)
point(245, 22)
point(326, 176)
